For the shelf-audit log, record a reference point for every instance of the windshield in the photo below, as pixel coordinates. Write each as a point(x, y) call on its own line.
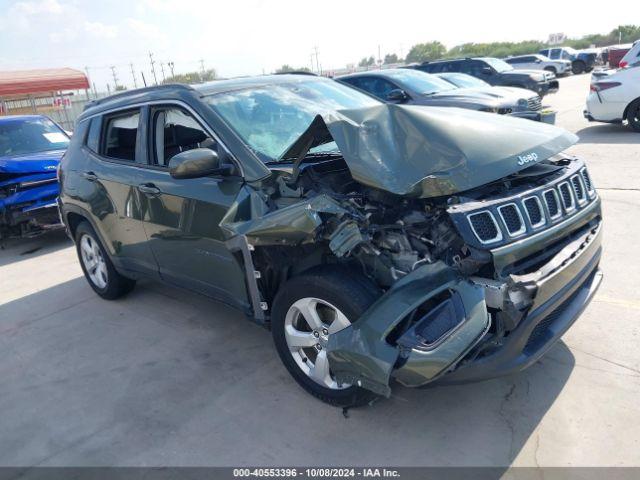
point(30, 135)
point(463, 80)
point(420, 82)
point(498, 65)
point(270, 118)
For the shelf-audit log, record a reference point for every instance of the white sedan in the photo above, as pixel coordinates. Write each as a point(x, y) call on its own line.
point(616, 97)
point(540, 62)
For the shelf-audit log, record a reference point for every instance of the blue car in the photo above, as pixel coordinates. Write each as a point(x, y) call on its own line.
point(31, 147)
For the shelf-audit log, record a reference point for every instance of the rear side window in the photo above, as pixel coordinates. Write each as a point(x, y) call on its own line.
point(120, 136)
point(93, 136)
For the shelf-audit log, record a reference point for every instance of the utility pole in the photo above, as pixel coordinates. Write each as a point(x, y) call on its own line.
point(171, 65)
point(133, 74)
point(162, 70)
point(317, 62)
point(144, 80)
point(202, 68)
point(95, 94)
point(153, 69)
point(115, 77)
point(312, 62)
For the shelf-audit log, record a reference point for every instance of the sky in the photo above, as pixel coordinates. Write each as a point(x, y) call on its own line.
point(247, 37)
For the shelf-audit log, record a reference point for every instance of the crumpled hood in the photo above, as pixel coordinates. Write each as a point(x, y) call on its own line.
point(432, 151)
point(42, 162)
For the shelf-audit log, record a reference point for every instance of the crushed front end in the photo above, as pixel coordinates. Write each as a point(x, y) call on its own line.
point(28, 203)
point(519, 266)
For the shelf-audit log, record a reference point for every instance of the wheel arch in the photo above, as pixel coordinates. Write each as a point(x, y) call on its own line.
point(626, 109)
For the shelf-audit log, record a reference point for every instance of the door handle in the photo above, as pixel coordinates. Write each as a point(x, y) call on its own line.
point(149, 189)
point(92, 177)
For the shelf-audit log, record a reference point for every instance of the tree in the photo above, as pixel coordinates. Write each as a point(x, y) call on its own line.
point(422, 52)
point(367, 62)
point(193, 77)
point(288, 68)
point(390, 58)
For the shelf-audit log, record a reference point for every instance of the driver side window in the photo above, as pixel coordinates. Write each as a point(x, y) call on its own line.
point(174, 131)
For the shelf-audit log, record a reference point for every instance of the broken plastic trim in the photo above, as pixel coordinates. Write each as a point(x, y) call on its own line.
point(361, 355)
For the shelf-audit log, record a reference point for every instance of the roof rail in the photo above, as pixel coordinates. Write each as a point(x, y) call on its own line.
point(136, 91)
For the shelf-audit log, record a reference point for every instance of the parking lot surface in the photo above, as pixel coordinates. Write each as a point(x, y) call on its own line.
point(165, 377)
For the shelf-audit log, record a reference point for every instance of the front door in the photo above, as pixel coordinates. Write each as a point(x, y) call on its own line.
point(182, 217)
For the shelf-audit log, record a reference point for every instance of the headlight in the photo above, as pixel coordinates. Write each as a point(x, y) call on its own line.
point(489, 109)
point(523, 104)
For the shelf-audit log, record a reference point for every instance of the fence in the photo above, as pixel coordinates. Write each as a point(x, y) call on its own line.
point(63, 109)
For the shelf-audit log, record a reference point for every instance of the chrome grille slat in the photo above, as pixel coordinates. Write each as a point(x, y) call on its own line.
point(553, 203)
point(587, 181)
point(578, 189)
point(485, 227)
point(535, 213)
point(534, 103)
point(512, 218)
point(566, 195)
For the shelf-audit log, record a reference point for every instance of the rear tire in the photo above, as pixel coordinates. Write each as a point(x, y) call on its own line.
point(333, 296)
point(97, 266)
point(578, 67)
point(633, 115)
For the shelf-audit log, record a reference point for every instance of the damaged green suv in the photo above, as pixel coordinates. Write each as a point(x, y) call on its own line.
point(376, 241)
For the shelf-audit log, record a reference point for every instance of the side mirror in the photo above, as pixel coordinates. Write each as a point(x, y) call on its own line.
point(486, 71)
point(538, 60)
point(195, 163)
point(397, 96)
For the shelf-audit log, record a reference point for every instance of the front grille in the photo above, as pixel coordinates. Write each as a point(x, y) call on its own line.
point(587, 180)
point(551, 199)
point(567, 198)
point(534, 103)
point(578, 189)
point(485, 227)
point(512, 219)
point(533, 207)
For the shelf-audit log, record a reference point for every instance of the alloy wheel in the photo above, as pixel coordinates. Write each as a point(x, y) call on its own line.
point(308, 324)
point(93, 261)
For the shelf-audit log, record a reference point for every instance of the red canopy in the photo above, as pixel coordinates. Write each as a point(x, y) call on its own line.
point(39, 81)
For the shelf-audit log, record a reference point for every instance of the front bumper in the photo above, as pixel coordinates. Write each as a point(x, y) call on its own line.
point(544, 116)
point(550, 299)
point(543, 88)
point(560, 300)
point(32, 208)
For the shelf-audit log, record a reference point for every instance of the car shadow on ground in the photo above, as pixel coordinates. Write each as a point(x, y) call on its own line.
point(17, 249)
point(166, 377)
point(607, 133)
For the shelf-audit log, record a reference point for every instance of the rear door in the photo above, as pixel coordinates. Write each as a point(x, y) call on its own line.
point(182, 217)
point(109, 190)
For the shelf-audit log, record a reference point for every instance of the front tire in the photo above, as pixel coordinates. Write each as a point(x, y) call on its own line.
point(307, 310)
point(551, 69)
point(633, 115)
point(97, 266)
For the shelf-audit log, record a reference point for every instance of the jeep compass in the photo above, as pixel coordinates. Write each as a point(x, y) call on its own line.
point(374, 240)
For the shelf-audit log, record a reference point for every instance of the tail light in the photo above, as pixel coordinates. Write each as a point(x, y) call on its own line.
point(623, 64)
point(600, 86)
